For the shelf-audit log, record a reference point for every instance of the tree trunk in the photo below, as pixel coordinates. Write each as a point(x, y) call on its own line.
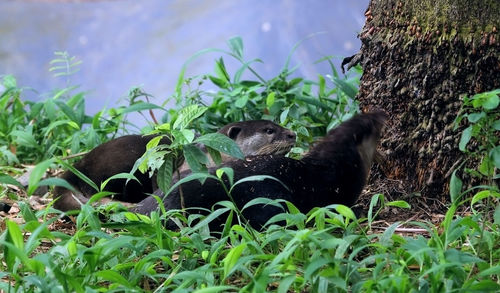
point(419, 58)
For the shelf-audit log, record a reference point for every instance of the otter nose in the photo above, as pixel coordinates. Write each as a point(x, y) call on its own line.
point(291, 136)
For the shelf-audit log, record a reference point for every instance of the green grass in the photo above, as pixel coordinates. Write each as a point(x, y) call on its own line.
point(326, 250)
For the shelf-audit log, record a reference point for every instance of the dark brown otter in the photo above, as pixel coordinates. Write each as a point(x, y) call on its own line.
point(119, 156)
point(334, 171)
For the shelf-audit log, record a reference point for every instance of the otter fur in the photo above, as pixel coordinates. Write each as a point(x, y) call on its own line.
point(334, 171)
point(119, 156)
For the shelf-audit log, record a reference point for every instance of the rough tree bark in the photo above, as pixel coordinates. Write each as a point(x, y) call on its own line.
point(419, 58)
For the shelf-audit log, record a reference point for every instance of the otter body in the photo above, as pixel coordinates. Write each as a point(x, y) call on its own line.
point(119, 156)
point(333, 172)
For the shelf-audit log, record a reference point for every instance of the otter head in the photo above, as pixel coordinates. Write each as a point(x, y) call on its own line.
point(260, 137)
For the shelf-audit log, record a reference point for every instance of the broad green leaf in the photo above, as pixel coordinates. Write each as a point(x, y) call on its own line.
point(232, 258)
point(494, 270)
point(487, 166)
point(398, 203)
point(257, 178)
point(455, 187)
point(215, 155)
point(482, 195)
point(9, 81)
point(218, 82)
point(78, 174)
point(196, 159)
point(70, 113)
point(241, 101)
point(27, 213)
point(465, 138)
point(190, 177)
point(474, 117)
point(321, 85)
point(188, 115)
point(495, 156)
point(50, 109)
point(385, 239)
point(59, 123)
point(345, 211)
point(349, 89)
point(491, 102)
point(483, 286)
point(221, 143)
point(284, 115)
point(236, 46)
point(15, 234)
point(270, 99)
point(229, 173)
point(139, 106)
point(6, 179)
point(496, 124)
point(127, 176)
point(220, 70)
point(36, 174)
point(164, 176)
point(215, 289)
point(153, 142)
point(25, 138)
point(263, 201)
point(114, 277)
point(285, 283)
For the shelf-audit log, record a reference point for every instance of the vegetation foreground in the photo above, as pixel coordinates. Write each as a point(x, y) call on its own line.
point(328, 249)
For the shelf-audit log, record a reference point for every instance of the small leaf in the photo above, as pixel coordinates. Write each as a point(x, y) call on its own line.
point(220, 70)
point(114, 277)
point(270, 99)
point(345, 211)
point(236, 46)
point(164, 176)
point(139, 106)
point(218, 82)
point(188, 115)
point(496, 125)
point(465, 138)
point(222, 144)
point(474, 117)
point(399, 203)
point(486, 167)
point(195, 158)
point(455, 187)
point(241, 101)
point(482, 195)
point(232, 258)
point(16, 237)
point(37, 174)
point(6, 179)
point(495, 156)
point(491, 102)
point(9, 81)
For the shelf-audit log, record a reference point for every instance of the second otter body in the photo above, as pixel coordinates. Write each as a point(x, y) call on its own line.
point(119, 156)
point(333, 172)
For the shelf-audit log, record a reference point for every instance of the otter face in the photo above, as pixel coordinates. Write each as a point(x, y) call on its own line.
point(260, 137)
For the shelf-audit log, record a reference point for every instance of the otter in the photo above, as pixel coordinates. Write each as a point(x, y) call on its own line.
point(119, 156)
point(334, 171)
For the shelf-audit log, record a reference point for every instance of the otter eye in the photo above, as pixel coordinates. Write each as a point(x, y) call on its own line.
point(269, 130)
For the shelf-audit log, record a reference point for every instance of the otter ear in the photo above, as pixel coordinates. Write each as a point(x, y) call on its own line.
point(233, 132)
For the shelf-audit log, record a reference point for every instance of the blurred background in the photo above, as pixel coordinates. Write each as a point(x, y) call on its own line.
point(126, 43)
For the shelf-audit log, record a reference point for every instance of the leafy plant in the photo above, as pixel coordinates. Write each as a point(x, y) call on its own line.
point(308, 107)
point(482, 112)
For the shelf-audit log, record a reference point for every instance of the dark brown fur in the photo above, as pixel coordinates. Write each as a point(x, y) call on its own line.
point(333, 172)
point(119, 156)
